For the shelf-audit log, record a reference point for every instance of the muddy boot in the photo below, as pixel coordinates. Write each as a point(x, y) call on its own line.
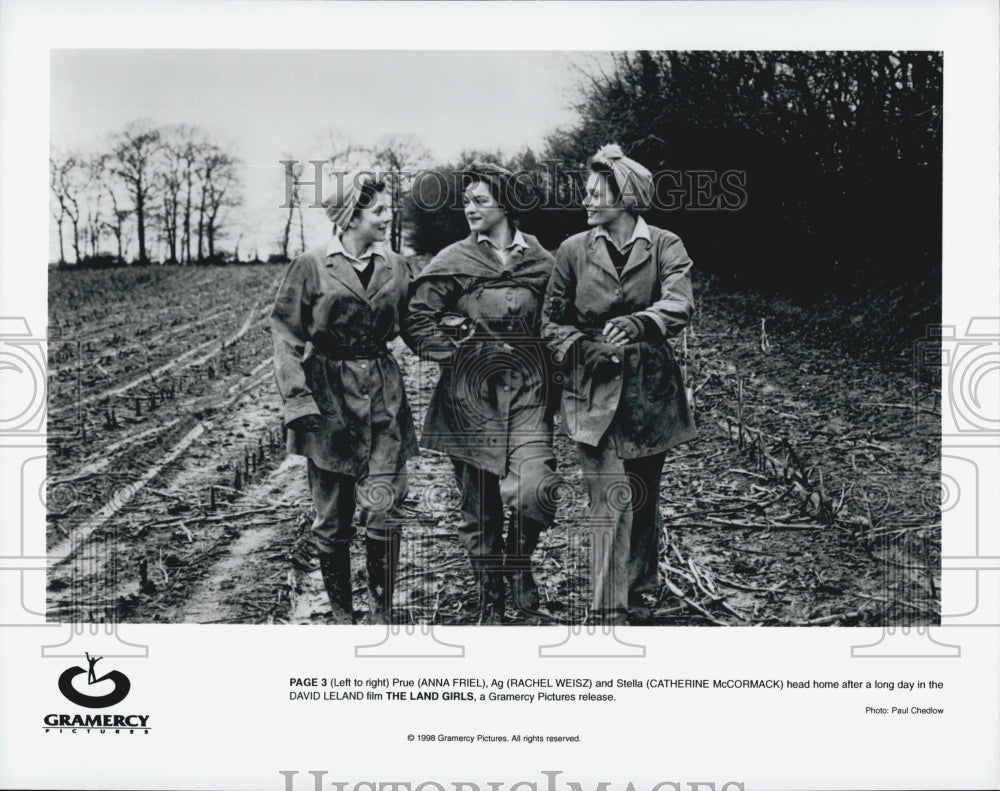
point(382, 561)
point(336, 570)
point(639, 611)
point(492, 591)
point(517, 565)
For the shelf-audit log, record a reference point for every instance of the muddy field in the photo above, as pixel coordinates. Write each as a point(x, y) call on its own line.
point(812, 496)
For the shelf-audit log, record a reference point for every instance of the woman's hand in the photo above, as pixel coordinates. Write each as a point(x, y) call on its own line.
point(599, 363)
point(457, 327)
point(623, 329)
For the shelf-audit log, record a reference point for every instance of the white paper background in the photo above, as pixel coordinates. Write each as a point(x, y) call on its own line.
point(217, 696)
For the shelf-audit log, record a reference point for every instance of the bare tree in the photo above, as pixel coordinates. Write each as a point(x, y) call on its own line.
point(171, 182)
point(120, 211)
point(293, 200)
point(68, 178)
point(189, 144)
point(57, 202)
point(399, 157)
point(134, 149)
point(219, 175)
point(302, 227)
point(93, 195)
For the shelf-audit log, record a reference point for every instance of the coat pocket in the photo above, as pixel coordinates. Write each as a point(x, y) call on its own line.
point(659, 373)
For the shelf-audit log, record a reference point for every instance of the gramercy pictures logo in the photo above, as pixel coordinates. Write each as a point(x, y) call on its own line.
point(108, 689)
point(120, 688)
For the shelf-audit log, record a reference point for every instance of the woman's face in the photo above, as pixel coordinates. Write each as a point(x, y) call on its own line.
point(482, 212)
point(371, 224)
point(601, 208)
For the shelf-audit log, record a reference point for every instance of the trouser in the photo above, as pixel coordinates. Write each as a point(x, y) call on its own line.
point(526, 490)
point(336, 496)
point(624, 523)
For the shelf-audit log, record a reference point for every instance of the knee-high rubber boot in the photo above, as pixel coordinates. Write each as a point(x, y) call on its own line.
point(336, 570)
point(492, 590)
point(382, 561)
point(521, 542)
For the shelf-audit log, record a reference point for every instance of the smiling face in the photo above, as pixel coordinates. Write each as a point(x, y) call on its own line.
point(600, 203)
point(482, 212)
point(370, 224)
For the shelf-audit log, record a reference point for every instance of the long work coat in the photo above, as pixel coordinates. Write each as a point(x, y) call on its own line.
point(483, 406)
point(330, 359)
point(644, 405)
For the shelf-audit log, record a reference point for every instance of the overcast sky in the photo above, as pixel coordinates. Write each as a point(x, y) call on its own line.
point(264, 103)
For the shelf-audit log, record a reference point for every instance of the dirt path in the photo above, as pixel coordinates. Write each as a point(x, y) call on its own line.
point(800, 503)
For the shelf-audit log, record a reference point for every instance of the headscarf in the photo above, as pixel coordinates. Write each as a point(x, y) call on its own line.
point(343, 191)
point(634, 182)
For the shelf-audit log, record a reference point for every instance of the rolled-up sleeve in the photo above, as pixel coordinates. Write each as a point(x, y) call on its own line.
point(432, 298)
point(672, 311)
point(290, 320)
point(559, 312)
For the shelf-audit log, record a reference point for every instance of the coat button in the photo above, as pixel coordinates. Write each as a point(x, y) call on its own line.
point(364, 365)
point(506, 389)
point(618, 377)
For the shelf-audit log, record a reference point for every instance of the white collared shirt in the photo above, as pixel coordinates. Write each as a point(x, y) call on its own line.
point(518, 242)
point(641, 231)
point(360, 263)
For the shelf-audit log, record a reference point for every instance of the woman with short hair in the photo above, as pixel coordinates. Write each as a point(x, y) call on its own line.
point(618, 292)
point(476, 311)
point(342, 390)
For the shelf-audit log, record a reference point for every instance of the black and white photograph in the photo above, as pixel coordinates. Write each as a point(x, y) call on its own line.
point(632, 343)
point(330, 330)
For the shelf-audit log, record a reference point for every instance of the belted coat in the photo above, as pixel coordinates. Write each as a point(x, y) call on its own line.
point(483, 404)
point(643, 405)
point(331, 360)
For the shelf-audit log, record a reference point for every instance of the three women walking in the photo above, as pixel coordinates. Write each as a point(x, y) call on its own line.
point(509, 329)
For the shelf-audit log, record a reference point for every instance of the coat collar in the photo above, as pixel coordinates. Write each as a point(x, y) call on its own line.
point(640, 243)
point(337, 246)
point(640, 231)
point(340, 264)
point(517, 242)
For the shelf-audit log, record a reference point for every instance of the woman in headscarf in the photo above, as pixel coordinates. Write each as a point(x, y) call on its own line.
point(476, 310)
point(344, 404)
point(618, 291)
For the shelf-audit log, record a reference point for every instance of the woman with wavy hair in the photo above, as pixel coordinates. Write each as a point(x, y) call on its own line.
point(476, 311)
point(342, 390)
point(618, 292)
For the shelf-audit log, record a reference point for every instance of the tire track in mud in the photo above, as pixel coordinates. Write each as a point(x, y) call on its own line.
point(244, 583)
point(151, 375)
point(116, 492)
point(170, 332)
point(169, 519)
